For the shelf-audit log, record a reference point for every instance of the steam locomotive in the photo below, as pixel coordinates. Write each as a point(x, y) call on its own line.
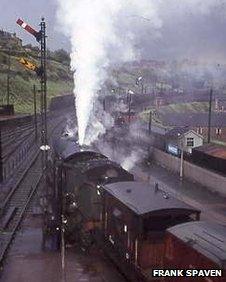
point(139, 226)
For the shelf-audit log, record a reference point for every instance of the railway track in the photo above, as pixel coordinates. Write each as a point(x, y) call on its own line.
point(16, 204)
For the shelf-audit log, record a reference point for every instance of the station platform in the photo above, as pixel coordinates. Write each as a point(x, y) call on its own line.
point(27, 261)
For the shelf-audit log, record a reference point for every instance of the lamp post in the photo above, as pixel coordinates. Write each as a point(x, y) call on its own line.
point(210, 114)
point(139, 81)
point(181, 163)
point(181, 144)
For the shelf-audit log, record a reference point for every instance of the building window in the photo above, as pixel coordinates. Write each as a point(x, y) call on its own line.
point(200, 130)
point(190, 142)
point(218, 131)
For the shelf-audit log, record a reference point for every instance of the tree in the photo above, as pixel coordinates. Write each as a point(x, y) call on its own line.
point(61, 56)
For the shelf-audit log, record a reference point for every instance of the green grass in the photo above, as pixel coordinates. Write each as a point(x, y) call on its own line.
point(193, 107)
point(174, 108)
point(60, 82)
point(155, 120)
point(21, 91)
point(218, 142)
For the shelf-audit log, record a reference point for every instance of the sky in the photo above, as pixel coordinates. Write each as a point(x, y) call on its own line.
point(31, 11)
point(194, 30)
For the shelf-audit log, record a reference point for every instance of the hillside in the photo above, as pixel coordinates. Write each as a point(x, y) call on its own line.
point(60, 79)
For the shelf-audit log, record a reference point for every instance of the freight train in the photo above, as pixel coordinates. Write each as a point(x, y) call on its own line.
point(139, 226)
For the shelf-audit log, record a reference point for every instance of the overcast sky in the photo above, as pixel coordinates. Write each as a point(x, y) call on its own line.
point(184, 33)
point(31, 11)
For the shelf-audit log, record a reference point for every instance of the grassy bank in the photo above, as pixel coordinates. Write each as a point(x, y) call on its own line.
point(60, 79)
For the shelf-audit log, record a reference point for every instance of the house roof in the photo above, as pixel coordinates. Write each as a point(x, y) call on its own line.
point(207, 238)
point(179, 132)
point(192, 131)
point(142, 198)
point(194, 119)
point(213, 150)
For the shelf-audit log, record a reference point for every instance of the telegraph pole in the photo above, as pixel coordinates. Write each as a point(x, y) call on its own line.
point(130, 99)
point(8, 77)
point(104, 104)
point(150, 123)
point(210, 114)
point(35, 112)
point(1, 163)
point(43, 81)
point(142, 87)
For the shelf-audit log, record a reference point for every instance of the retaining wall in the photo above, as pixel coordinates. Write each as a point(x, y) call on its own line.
point(213, 181)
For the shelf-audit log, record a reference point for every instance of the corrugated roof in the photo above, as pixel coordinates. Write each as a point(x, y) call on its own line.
point(207, 238)
point(142, 198)
point(214, 150)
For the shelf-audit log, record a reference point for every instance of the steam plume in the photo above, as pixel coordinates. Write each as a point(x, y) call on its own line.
point(100, 33)
point(103, 32)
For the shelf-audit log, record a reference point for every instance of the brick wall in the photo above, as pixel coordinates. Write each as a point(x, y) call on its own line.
point(215, 133)
point(17, 138)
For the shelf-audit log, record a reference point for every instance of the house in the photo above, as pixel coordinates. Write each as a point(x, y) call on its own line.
point(7, 39)
point(182, 138)
point(198, 122)
point(190, 140)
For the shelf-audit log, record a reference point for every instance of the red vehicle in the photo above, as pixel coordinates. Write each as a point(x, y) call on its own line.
point(135, 219)
point(196, 245)
point(124, 118)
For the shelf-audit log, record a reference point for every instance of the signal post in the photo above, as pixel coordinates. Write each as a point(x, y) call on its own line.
point(40, 37)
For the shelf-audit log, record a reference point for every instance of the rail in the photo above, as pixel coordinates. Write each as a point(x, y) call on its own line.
point(16, 199)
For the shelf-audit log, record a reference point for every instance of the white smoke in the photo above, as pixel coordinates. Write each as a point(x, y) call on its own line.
point(101, 32)
point(127, 157)
point(130, 161)
point(101, 121)
point(70, 130)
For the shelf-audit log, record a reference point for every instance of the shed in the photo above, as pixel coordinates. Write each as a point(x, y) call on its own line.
point(211, 156)
point(182, 137)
